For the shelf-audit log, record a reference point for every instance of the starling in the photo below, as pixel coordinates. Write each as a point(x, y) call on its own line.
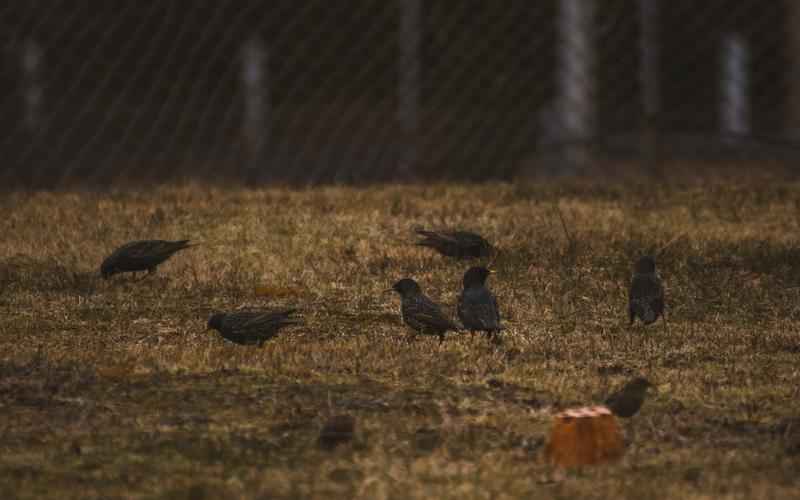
point(477, 306)
point(646, 296)
point(419, 312)
point(143, 255)
point(458, 244)
point(627, 401)
point(251, 328)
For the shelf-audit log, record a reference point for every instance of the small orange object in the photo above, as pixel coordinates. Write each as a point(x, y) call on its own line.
point(585, 436)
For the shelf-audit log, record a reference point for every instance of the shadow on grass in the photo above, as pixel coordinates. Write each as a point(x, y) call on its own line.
point(46, 275)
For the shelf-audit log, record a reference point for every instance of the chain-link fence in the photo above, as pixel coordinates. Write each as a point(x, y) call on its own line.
point(365, 90)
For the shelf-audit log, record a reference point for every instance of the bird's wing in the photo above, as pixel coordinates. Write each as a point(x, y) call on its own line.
point(162, 248)
point(467, 238)
point(480, 309)
point(438, 236)
point(429, 314)
point(236, 322)
point(148, 250)
point(646, 287)
point(268, 321)
point(473, 245)
point(441, 242)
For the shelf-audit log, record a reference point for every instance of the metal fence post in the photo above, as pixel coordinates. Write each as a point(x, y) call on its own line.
point(31, 63)
point(32, 58)
point(735, 105)
point(577, 79)
point(256, 126)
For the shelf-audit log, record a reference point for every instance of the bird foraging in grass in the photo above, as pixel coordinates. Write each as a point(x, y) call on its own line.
point(419, 312)
point(251, 328)
point(646, 295)
point(144, 255)
point(627, 401)
point(477, 306)
point(458, 244)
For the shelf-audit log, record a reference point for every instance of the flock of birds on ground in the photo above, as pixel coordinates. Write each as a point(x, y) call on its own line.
point(477, 306)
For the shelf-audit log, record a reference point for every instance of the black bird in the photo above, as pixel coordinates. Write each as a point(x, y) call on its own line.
point(419, 312)
point(477, 306)
point(251, 328)
point(646, 296)
point(627, 401)
point(143, 255)
point(458, 244)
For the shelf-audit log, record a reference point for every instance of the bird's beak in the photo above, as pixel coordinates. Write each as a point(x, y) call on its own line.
point(492, 271)
point(388, 290)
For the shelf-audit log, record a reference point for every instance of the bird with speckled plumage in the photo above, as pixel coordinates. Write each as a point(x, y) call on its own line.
point(477, 305)
point(456, 244)
point(420, 313)
point(142, 255)
point(646, 295)
point(627, 401)
point(251, 327)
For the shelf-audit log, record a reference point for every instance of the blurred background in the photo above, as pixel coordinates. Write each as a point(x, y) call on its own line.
point(359, 91)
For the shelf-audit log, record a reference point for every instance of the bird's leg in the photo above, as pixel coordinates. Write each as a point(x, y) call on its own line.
point(664, 321)
point(441, 338)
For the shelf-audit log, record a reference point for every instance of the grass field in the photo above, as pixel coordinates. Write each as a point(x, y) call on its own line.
point(116, 389)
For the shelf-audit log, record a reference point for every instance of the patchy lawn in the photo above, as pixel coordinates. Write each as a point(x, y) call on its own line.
point(115, 389)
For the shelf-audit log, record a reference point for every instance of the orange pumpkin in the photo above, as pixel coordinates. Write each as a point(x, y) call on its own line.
point(585, 436)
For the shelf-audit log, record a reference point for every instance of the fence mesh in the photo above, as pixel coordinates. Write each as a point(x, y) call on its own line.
point(369, 90)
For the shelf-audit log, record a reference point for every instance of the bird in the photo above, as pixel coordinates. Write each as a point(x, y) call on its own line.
point(143, 255)
point(458, 244)
point(477, 306)
point(627, 401)
point(419, 312)
point(646, 295)
point(251, 327)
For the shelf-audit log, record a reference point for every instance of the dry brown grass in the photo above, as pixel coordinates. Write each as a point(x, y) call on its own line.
point(116, 389)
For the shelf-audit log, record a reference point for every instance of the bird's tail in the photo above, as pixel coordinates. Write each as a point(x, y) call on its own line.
point(432, 238)
point(423, 232)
